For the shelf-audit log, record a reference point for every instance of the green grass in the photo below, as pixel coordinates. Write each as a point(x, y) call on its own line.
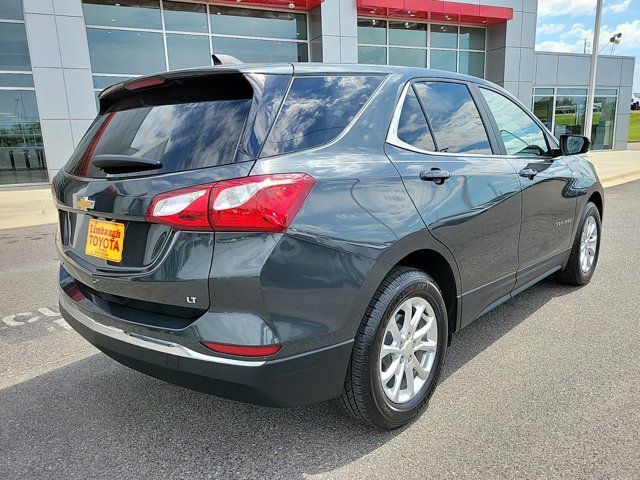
point(634, 126)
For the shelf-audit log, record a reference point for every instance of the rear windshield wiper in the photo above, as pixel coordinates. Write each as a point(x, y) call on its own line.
point(124, 163)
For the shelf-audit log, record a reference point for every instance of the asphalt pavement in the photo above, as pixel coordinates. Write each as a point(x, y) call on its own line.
point(545, 386)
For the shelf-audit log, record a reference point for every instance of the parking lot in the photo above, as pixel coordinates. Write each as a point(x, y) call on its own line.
point(546, 385)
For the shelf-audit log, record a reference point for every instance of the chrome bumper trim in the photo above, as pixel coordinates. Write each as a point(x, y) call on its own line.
point(146, 342)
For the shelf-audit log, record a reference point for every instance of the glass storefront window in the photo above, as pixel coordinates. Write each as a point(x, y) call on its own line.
point(543, 109)
point(372, 32)
point(408, 57)
point(123, 13)
point(250, 50)
point(125, 51)
point(22, 157)
point(472, 63)
point(14, 52)
point(444, 36)
point(604, 112)
point(472, 38)
point(11, 10)
point(445, 47)
point(186, 51)
point(407, 34)
point(16, 80)
point(569, 115)
point(444, 60)
point(186, 31)
point(258, 23)
point(185, 17)
point(372, 55)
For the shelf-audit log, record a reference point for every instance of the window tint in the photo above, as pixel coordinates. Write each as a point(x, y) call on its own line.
point(316, 110)
point(202, 132)
point(412, 125)
point(520, 134)
point(454, 117)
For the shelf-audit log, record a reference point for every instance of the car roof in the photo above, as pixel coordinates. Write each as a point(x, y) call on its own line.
point(311, 68)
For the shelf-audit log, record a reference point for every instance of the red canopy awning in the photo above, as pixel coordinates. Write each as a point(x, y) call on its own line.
point(279, 4)
point(435, 10)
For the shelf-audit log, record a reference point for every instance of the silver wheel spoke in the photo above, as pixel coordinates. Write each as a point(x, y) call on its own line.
point(389, 350)
point(427, 330)
point(393, 330)
point(391, 371)
point(408, 375)
point(407, 309)
point(395, 392)
point(427, 346)
point(420, 370)
point(415, 320)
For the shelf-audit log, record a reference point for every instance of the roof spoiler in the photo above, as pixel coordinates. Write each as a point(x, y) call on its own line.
point(221, 59)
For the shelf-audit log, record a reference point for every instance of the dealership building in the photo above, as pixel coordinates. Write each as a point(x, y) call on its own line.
point(57, 55)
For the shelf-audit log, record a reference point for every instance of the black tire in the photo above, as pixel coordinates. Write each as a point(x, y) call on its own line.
point(572, 274)
point(363, 396)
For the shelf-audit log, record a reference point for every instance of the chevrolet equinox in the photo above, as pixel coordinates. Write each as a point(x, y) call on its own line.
point(284, 234)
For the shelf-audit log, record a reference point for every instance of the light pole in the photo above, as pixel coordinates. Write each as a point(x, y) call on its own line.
point(588, 114)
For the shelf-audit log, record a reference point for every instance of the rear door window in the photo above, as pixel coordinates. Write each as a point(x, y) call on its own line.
point(454, 117)
point(316, 110)
point(181, 136)
point(412, 125)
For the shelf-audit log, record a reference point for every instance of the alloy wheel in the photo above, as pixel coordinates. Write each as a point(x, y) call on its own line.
point(588, 245)
point(408, 349)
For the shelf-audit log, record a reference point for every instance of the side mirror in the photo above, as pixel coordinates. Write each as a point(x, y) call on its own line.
point(574, 144)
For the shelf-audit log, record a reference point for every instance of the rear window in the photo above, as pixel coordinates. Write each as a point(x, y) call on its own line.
point(316, 110)
point(202, 132)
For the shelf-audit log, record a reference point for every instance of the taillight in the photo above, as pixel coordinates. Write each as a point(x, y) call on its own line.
point(243, 350)
point(263, 203)
point(184, 209)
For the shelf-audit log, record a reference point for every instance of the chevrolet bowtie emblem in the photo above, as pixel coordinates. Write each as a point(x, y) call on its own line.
point(85, 203)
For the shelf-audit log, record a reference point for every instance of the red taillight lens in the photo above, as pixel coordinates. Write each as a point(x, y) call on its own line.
point(184, 209)
point(243, 350)
point(263, 203)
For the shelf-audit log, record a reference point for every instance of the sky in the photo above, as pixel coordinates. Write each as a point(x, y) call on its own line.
point(563, 26)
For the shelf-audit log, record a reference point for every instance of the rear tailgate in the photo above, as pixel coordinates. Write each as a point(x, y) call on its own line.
point(202, 127)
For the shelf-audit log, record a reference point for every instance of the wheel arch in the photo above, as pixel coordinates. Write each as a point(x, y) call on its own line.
point(598, 201)
point(422, 251)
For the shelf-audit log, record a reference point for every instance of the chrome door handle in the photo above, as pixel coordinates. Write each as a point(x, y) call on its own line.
point(435, 175)
point(528, 172)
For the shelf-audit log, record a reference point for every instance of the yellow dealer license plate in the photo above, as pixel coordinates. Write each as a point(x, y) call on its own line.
point(105, 240)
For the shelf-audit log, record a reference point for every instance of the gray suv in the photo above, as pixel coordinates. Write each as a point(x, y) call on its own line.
point(287, 234)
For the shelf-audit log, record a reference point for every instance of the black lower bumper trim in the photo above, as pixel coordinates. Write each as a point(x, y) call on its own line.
point(289, 382)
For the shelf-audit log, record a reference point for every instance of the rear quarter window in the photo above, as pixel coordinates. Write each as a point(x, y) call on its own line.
point(316, 110)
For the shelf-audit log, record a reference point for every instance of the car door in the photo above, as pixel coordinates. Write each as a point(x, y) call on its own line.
point(468, 197)
point(548, 201)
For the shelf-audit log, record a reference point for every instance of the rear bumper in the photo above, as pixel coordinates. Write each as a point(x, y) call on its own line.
point(287, 382)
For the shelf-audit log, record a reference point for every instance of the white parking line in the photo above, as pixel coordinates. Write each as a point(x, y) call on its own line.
point(49, 315)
